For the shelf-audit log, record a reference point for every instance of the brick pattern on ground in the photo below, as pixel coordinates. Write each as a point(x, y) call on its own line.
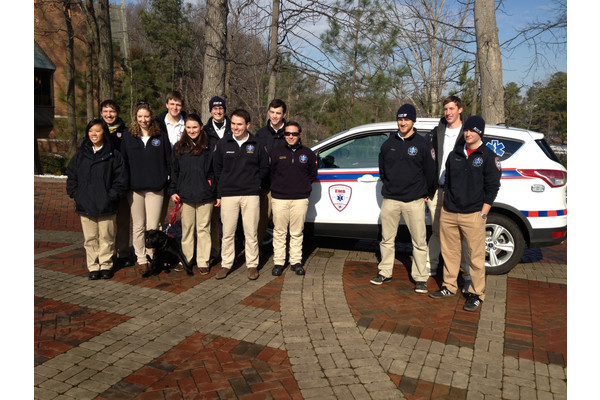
point(329, 334)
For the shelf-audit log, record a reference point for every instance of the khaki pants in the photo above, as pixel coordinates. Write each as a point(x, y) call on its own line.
point(469, 228)
point(288, 214)
point(414, 216)
point(146, 207)
point(99, 241)
point(215, 232)
point(434, 246)
point(195, 219)
point(123, 222)
point(266, 215)
point(230, 210)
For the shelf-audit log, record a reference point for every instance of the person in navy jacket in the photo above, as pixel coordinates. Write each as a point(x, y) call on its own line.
point(97, 179)
point(193, 184)
point(293, 169)
point(473, 173)
point(109, 111)
point(241, 164)
point(407, 171)
point(147, 153)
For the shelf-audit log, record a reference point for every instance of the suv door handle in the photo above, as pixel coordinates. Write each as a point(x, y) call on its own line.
point(368, 178)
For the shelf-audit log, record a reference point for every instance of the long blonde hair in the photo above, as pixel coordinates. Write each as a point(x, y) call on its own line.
point(136, 130)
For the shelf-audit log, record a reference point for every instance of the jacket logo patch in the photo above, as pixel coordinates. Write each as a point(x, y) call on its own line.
point(303, 159)
point(478, 162)
point(250, 149)
point(155, 142)
point(413, 151)
point(119, 134)
point(433, 153)
point(340, 196)
point(498, 164)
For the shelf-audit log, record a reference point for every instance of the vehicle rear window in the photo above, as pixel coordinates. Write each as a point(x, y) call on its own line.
point(547, 150)
point(503, 147)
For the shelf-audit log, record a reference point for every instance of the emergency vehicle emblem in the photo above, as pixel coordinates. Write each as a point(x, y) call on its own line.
point(340, 196)
point(478, 162)
point(303, 159)
point(155, 142)
point(412, 151)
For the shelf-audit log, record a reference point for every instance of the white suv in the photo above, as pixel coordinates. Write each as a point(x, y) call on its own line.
point(531, 206)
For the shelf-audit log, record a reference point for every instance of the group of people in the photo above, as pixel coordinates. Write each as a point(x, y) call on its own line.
point(454, 174)
point(220, 171)
point(215, 172)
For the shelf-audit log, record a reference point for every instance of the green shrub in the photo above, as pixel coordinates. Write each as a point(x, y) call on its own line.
point(53, 164)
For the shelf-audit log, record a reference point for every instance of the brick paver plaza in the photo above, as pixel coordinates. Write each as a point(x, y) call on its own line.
point(326, 335)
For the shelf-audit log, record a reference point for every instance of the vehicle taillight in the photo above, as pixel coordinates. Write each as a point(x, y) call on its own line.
point(554, 178)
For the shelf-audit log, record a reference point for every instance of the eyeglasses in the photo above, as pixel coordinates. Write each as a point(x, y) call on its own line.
point(142, 103)
point(291, 133)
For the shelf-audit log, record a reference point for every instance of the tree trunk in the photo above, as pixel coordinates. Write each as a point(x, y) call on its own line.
point(105, 53)
point(89, 79)
point(70, 71)
point(213, 82)
point(490, 62)
point(273, 50)
point(355, 62)
point(474, 96)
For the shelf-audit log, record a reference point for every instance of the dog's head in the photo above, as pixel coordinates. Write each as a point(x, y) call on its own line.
point(154, 238)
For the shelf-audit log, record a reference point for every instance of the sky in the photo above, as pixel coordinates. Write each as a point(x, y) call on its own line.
point(513, 15)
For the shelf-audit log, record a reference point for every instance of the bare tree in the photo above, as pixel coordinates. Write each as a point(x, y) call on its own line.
point(213, 82)
point(489, 61)
point(431, 38)
point(273, 49)
point(70, 71)
point(540, 35)
point(105, 52)
point(99, 35)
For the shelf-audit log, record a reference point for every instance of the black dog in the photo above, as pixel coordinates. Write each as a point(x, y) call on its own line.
point(167, 253)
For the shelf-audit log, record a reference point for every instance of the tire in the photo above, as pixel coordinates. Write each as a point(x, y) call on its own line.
point(504, 244)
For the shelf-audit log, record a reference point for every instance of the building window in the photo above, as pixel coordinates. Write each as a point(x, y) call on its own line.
point(43, 87)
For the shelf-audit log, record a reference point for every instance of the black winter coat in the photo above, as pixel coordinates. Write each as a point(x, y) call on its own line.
point(436, 137)
point(192, 177)
point(96, 181)
point(271, 140)
point(240, 170)
point(471, 181)
point(149, 164)
point(407, 168)
point(293, 169)
point(213, 138)
point(117, 132)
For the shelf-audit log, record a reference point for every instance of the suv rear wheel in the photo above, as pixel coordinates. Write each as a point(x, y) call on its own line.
point(504, 244)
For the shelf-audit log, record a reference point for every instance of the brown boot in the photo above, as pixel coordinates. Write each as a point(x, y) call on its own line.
point(222, 273)
point(252, 273)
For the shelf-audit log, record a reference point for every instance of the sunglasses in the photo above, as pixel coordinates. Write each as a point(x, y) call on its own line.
point(291, 133)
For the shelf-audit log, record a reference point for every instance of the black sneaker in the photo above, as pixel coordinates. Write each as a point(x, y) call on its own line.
point(473, 303)
point(277, 270)
point(379, 279)
point(94, 275)
point(421, 287)
point(443, 292)
point(106, 274)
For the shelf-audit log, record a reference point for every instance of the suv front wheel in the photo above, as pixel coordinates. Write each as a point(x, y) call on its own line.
point(504, 244)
